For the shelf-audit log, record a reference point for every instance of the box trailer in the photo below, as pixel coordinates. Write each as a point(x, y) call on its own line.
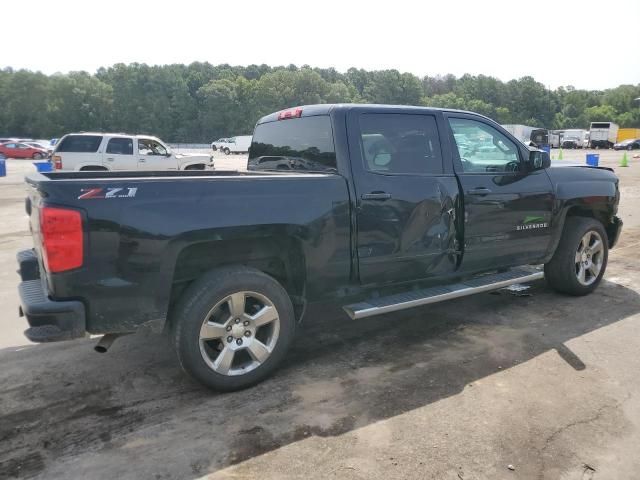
point(627, 134)
point(603, 134)
point(525, 133)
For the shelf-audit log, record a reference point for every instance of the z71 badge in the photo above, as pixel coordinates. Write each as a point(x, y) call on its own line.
point(109, 192)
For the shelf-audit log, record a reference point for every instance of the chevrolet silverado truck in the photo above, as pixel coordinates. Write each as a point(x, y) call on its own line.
point(375, 208)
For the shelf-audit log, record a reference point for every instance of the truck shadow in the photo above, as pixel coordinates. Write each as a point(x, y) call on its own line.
point(66, 409)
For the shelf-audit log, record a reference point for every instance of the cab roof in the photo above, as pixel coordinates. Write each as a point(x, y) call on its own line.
point(328, 108)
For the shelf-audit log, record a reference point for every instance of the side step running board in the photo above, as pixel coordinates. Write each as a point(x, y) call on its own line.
point(415, 298)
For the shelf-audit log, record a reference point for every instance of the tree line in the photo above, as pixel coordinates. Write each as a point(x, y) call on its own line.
point(200, 102)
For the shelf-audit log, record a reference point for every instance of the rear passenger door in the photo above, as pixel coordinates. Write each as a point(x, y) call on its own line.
point(405, 197)
point(119, 154)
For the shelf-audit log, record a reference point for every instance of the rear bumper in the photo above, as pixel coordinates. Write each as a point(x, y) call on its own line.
point(49, 320)
point(613, 231)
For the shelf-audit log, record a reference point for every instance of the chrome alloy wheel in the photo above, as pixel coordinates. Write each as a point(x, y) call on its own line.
point(239, 333)
point(589, 258)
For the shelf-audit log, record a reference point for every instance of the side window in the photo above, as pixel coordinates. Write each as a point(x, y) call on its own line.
point(22, 146)
point(395, 143)
point(80, 144)
point(146, 146)
point(120, 146)
point(482, 148)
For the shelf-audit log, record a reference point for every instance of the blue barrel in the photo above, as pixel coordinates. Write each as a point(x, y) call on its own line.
point(3, 167)
point(43, 166)
point(547, 148)
point(593, 159)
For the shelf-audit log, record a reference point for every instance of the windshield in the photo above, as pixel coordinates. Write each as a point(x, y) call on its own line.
point(295, 144)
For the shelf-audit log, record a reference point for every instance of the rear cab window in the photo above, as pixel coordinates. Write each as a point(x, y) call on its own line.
point(303, 144)
point(80, 144)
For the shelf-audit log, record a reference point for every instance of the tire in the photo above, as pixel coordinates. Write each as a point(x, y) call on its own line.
point(214, 148)
point(226, 151)
point(563, 271)
point(220, 354)
point(37, 156)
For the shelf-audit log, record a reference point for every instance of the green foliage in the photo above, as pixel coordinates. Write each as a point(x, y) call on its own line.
point(200, 102)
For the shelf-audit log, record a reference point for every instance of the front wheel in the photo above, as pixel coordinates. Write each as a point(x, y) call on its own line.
point(37, 156)
point(580, 259)
point(232, 327)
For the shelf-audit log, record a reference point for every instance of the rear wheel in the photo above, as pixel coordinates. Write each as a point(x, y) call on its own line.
point(232, 328)
point(226, 151)
point(37, 156)
point(581, 258)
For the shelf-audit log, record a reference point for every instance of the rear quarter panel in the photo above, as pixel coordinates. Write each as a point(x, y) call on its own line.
point(133, 241)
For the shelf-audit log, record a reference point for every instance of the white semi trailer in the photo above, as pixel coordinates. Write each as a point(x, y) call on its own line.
point(603, 134)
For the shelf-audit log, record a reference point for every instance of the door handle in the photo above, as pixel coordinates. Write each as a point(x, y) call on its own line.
point(110, 159)
point(376, 196)
point(142, 160)
point(479, 191)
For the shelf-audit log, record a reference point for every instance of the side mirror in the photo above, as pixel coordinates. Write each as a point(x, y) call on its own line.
point(382, 159)
point(538, 160)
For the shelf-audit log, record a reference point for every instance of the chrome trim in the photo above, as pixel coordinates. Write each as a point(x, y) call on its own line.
point(369, 312)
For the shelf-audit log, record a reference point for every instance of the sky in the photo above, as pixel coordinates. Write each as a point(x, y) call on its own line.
point(587, 44)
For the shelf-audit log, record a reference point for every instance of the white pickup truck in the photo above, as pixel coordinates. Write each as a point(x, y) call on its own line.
point(121, 151)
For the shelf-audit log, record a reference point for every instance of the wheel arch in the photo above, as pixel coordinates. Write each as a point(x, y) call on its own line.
point(186, 165)
point(581, 207)
point(279, 255)
point(91, 167)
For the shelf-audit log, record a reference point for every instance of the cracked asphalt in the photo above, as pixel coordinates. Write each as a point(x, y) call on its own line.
point(542, 383)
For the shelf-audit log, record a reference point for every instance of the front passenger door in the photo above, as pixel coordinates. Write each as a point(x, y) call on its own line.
point(507, 204)
point(154, 156)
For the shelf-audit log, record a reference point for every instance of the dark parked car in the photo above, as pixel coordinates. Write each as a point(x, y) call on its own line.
point(632, 144)
point(571, 142)
point(374, 208)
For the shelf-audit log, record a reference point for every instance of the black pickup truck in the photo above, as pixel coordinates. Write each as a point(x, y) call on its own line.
point(378, 208)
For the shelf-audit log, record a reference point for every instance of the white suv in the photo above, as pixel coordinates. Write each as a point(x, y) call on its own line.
point(120, 151)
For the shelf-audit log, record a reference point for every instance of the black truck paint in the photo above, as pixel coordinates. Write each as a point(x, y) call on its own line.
point(327, 235)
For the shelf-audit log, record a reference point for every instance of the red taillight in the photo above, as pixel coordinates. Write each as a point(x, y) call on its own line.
point(62, 239)
point(57, 162)
point(293, 113)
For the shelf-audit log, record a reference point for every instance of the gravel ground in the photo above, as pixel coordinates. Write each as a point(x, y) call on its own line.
point(544, 384)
